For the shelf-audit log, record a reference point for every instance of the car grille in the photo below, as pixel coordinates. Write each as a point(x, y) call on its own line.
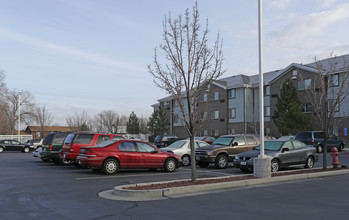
point(244, 158)
point(201, 152)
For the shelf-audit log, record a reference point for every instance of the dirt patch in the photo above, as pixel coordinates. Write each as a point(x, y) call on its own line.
point(221, 180)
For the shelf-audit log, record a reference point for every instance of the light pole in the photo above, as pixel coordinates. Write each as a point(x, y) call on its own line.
point(261, 164)
point(19, 114)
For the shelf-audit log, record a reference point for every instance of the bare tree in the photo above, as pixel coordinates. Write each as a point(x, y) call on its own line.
point(191, 66)
point(78, 122)
point(110, 121)
point(9, 108)
point(42, 118)
point(330, 87)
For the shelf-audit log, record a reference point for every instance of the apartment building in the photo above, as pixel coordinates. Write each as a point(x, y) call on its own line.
point(233, 102)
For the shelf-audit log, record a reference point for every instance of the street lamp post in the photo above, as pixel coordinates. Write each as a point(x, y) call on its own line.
point(19, 115)
point(261, 164)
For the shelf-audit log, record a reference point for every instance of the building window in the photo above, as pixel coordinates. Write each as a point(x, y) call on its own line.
point(231, 94)
point(307, 84)
point(203, 98)
point(215, 96)
point(215, 115)
point(306, 107)
point(266, 110)
point(232, 113)
point(203, 133)
point(334, 80)
point(214, 133)
point(294, 73)
point(175, 119)
point(267, 90)
point(175, 103)
point(330, 104)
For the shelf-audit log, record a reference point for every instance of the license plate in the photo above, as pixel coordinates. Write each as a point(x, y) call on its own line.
point(243, 163)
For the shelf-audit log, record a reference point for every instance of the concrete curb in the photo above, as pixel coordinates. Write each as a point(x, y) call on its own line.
point(118, 193)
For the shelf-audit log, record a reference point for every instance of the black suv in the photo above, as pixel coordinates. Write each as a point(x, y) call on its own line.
point(165, 140)
point(316, 139)
point(51, 146)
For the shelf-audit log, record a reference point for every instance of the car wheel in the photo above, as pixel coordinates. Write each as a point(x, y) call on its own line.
point(170, 165)
point(203, 164)
point(26, 149)
point(221, 161)
point(309, 162)
point(186, 160)
point(110, 166)
point(1, 149)
point(340, 148)
point(319, 149)
point(65, 161)
point(275, 165)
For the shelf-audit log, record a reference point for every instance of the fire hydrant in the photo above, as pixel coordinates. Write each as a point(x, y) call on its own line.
point(335, 155)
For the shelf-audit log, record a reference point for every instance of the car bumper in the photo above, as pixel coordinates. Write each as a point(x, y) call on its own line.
point(68, 155)
point(202, 158)
point(245, 165)
point(89, 162)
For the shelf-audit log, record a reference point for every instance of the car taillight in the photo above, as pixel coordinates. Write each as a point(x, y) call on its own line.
point(312, 141)
point(50, 147)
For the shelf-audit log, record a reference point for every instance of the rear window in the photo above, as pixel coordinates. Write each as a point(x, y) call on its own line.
point(83, 138)
point(319, 135)
point(69, 139)
point(59, 138)
point(48, 139)
point(303, 135)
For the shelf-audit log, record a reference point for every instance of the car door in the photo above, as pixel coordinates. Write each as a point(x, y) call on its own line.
point(149, 156)
point(299, 153)
point(239, 148)
point(128, 155)
point(286, 156)
point(16, 145)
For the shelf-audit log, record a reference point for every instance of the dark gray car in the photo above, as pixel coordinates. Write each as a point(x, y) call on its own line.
point(282, 154)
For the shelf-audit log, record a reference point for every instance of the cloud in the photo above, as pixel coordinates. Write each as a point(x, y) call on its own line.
point(327, 3)
point(69, 51)
point(304, 32)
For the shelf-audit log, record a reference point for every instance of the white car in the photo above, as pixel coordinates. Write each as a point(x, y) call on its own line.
point(37, 152)
point(182, 149)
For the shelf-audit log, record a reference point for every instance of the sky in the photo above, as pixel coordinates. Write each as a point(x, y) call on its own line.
point(88, 55)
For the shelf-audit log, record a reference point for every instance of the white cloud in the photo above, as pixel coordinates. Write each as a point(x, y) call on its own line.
point(57, 48)
point(327, 3)
point(305, 31)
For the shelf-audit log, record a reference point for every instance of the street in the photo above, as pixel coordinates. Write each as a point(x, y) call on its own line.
point(32, 189)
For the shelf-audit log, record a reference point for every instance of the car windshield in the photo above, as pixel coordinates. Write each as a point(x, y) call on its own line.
point(177, 144)
point(271, 145)
point(223, 141)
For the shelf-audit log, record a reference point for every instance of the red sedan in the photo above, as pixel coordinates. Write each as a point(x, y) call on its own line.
point(110, 156)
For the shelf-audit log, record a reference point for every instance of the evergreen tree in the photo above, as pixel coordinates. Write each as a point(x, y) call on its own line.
point(133, 124)
point(288, 115)
point(158, 122)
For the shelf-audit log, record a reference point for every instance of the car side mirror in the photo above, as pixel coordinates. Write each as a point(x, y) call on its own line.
point(235, 144)
point(285, 149)
point(154, 151)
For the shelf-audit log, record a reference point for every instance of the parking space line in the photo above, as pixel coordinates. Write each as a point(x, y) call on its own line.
point(118, 176)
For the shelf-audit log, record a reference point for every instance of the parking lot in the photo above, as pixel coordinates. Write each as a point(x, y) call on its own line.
point(32, 189)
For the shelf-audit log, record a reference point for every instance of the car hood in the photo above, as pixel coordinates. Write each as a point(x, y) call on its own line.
point(255, 153)
point(211, 147)
point(166, 149)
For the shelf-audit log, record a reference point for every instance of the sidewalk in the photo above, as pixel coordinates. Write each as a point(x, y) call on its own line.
point(119, 193)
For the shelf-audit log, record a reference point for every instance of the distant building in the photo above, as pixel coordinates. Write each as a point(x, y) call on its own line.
point(234, 102)
point(39, 132)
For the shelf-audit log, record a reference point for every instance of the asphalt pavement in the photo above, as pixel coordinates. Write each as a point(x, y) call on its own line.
point(31, 189)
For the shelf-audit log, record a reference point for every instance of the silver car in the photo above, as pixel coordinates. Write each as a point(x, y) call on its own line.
point(182, 149)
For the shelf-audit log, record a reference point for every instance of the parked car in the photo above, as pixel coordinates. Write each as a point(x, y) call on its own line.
point(286, 138)
point(110, 156)
point(73, 142)
point(316, 139)
point(34, 143)
point(37, 152)
point(52, 144)
point(207, 139)
point(165, 140)
point(282, 153)
point(224, 149)
point(182, 149)
point(13, 145)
